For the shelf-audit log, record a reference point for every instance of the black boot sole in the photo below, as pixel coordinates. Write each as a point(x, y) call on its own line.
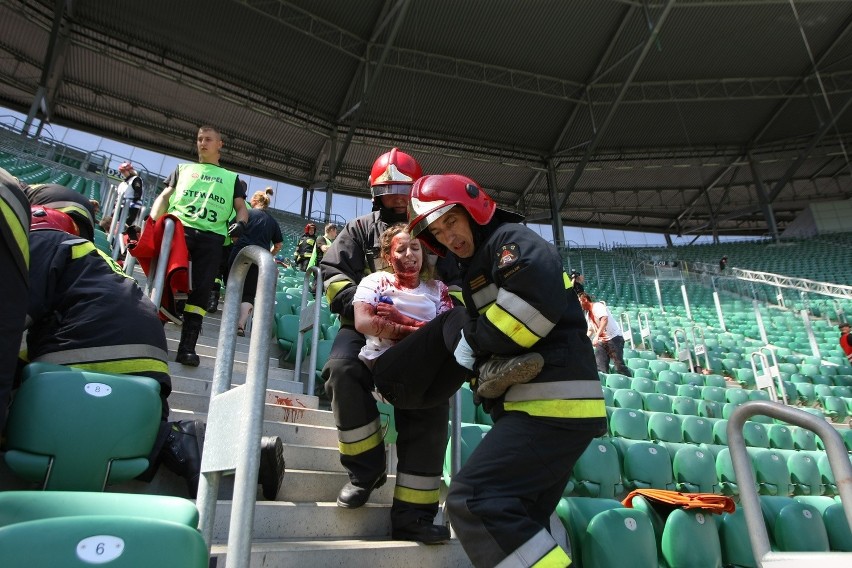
point(271, 473)
point(378, 483)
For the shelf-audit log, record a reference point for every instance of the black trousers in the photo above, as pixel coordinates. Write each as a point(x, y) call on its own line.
point(508, 488)
point(205, 252)
point(13, 306)
point(420, 371)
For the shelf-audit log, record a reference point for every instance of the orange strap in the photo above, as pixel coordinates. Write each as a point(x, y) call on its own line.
point(707, 501)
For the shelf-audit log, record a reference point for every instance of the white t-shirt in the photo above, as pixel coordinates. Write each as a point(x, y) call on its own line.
point(422, 303)
point(599, 310)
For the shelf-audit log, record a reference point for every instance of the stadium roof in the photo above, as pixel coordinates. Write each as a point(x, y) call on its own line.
point(647, 115)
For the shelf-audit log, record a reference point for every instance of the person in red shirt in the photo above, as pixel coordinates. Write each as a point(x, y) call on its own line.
point(846, 340)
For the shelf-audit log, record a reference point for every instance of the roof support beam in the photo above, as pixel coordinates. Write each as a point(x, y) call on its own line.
point(590, 149)
point(51, 71)
point(765, 204)
point(370, 83)
point(556, 225)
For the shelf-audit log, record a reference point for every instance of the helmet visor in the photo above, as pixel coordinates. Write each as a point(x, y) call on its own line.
point(391, 189)
point(429, 218)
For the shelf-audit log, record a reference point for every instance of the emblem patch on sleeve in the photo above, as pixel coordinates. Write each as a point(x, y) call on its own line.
point(508, 255)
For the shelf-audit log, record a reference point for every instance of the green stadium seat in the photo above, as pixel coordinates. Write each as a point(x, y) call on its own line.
point(471, 435)
point(780, 437)
point(653, 402)
point(709, 409)
point(647, 466)
point(603, 534)
point(773, 477)
point(720, 432)
point(829, 483)
point(835, 408)
point(755, 434)
point(713, 393)
point(728, 484)
point(657, 366)
point(734, 540)
point(758, 395)
point(597, 472)
point(834, 519)
point(805, 477)
point(696, 430)
point(643, 373)
point(607, 392)
point(685, 405)
point(669, 377)
point(679, 367)
point(119, 416)
point(637, 363)
point(736, 396)
point(323, 351)
point(794, 526)
point(629, 423)
point(664, 427)
point(666, 388)
point(803, 439)
point(715, 381)
point(694, 471)
point(805, 393)
point(691, 391)
point(626, 398)
point(691, 539)
point(643, 385)
point(616, 381)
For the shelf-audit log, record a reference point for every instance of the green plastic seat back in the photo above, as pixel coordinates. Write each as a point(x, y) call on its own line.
point(773, 477)
point(720, 432)
point(626, 398)
point(597, 472)
point(715, 394)
point(806, 392)
point(691, 538)
point(728, 483)
point(715, 381)
point(388, 421)
point(629, 423)
point(607, 393)
point(471, 436)
point(799, 528)
point(690, 391)
point(829, 483)
point(685, 405)
point(468, 408)
point(780, 436)
point(679, 367)
point(664, 427)
point(657, 366)
point(643, 385)
point(23, 506)
point(617, 381)
point(696, 430)
point(736, 396)
point(117, 416)
point(647, 466)
point(803, 439)
point(666, 388)
point(637, 363)
point(804, 474)
point(734, 540)
point(755, 434)
point(81, 541)
point(839, 534)
point(643, 373)
point(619, 537)
point(709, 409)
point(694, 470)
point(654, 402)
point(669, 377)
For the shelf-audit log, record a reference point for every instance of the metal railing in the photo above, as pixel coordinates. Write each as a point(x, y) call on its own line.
point(235, 415)
point(309, 320)
point(838, 459)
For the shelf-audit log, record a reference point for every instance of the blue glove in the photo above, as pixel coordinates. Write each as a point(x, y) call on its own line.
point(463, 354)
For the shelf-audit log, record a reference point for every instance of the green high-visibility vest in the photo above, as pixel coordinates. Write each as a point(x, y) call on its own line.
point(204, 197)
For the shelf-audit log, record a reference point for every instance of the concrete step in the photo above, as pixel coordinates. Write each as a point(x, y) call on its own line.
point(289, 433)
point(277, 379)
point(282, 407)
point(323, 486)
point(203, 348)
point(286, 520)
point(312, 458)
point(189, 385)
point(353, 553)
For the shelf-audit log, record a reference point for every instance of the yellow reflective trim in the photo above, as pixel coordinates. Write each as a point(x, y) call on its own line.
point(588, 408)
point(416, 496)
point(334, 289)
point(365, 445)
point(511, 326)
point(194, 310)
point(19, 232)
point(567, 281)
point(125, 367)
point(457, 294)
point(113, 264)
point(81, 250)
point(556, 558)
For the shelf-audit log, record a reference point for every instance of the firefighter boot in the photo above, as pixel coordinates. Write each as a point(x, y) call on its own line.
point(422, 530)
point(188, 338)
point(271, 470)
point(182, 452)
point(213, 302)
point(497, 374)
point(352, 496)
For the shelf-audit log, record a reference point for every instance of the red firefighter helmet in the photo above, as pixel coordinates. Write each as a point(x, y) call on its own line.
point(45, 218)
point(432, 196)
point(310, 226)
point(393, 173)
point(125, 166)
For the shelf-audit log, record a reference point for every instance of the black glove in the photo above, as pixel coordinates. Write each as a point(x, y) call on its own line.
point(237, 229)
point(342, 303)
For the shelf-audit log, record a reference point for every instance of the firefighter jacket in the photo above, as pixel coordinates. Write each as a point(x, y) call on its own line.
point(86, 313)
point(520, 300)
point(15, 223)
point(305, 247)
point(353, 254)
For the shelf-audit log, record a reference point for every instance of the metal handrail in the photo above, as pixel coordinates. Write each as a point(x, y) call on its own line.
point(835, 449)
point(161, 263)
point(308, 322)
point(235, 415)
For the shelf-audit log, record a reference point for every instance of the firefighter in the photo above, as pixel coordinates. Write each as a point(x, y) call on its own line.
point(520, 301)
point(85, 312)
point(14, 285)
point(305, 247)
point(349, 384)
point(68, 201)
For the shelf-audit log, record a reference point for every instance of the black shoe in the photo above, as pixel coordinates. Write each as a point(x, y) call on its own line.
point(271, 470)
point(422, 531)
point(182, 452)
point(188, 358)
point(213, 302)
point(352, 496)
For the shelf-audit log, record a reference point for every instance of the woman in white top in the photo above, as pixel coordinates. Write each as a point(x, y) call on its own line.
point(390, 306)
